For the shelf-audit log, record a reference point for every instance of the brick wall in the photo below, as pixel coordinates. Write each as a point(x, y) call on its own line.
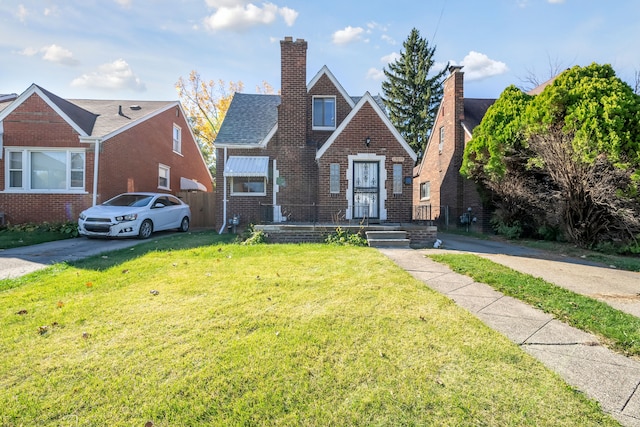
point(441, 167)
point(128, 162)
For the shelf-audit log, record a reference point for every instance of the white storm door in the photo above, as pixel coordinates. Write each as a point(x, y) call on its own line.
point(366, 190)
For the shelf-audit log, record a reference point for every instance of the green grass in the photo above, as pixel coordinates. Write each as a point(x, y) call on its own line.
point(260, 335)
point(619, 330)
point(14, 239)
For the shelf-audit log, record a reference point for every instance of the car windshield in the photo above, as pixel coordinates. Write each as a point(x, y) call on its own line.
point(136, 200)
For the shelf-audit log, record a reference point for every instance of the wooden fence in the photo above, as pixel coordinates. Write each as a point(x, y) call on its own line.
point(203, 207)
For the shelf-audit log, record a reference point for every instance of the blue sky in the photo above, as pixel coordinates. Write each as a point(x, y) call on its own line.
point(138, 49)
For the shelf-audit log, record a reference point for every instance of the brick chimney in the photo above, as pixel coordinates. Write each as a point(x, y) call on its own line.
point(296, 159)
point(293, 92)
point(454, 94)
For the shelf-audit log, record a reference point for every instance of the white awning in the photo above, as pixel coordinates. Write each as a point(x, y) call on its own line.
point(247, 166)
point(187, 184)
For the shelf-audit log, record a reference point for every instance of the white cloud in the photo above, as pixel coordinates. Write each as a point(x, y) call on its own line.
point(22, 13)
point(348, 35)
point(478, 66)
point(556, 1)
point(375, 74)
point(237, 16)
point(289, 15)
point(388, 39)
point(392, 57)
point(113, 76)
point(53, 53)
point(124, 3)
point(59, 55)
point(29, 51)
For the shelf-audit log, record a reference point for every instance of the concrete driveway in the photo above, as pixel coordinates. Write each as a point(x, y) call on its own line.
point(618, 288)
point(19, 261)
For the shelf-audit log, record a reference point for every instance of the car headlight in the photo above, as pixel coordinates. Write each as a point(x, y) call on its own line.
point(83, 216)
point(130, 217)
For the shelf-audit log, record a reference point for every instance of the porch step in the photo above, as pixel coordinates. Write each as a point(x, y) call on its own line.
point(388, 239)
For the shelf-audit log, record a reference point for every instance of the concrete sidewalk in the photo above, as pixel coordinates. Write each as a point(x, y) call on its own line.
point(603, 375)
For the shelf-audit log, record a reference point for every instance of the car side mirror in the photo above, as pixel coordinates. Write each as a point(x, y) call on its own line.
point(158, 205)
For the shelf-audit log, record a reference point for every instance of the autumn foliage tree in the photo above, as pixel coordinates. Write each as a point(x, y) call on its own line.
point(206, 103)
point(567, 159)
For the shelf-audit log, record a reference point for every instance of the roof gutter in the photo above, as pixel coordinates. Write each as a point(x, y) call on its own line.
point(224, 196)
point(96, 161)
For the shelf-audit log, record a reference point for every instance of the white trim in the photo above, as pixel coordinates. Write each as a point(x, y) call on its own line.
point(366, 98)
point(335, 112)
point(35, 89)
point(179, 140)
point(168, 169)
point(325, 71)
point(26, 170)
point(382, 192)
point(261, 144)
point(251, 194)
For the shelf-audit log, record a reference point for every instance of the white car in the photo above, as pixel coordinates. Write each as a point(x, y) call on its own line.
point(135, 215)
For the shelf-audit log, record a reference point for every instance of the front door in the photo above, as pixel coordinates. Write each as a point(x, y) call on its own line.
point(366, 190)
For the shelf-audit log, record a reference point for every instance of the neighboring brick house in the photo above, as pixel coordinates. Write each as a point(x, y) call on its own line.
point(60, 156)
point(439, 191)
point(311, 154)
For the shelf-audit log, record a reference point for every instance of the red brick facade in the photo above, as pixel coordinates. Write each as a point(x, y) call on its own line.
point(300, 157)
point(127, 162)
point(451, 195)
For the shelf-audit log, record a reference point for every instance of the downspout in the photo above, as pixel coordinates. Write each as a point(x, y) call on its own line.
point(224, 195)
point(96, 158)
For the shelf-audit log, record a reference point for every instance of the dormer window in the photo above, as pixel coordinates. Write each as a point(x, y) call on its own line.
point(324, 112)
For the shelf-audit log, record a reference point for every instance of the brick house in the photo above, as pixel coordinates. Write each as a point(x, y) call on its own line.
point(439, 191)
point(311, 154)
point(61, 156)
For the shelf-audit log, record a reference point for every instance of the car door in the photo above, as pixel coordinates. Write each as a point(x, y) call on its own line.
point(168, 210)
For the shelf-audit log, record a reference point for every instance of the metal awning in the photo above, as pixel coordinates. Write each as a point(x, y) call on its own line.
point(187, 184)
point(247, 166)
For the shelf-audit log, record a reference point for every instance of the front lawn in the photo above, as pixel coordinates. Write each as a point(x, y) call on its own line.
point(224, 334)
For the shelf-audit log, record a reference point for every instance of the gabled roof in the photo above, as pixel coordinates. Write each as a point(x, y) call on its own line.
point(366, 99)
point(474, 111)
point(116, 116)
point(92, 118)
point(250, 120)
point(324, 71)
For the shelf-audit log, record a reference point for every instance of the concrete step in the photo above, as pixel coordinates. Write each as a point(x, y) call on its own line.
point(388, 239)
point(389, 243)
point(386, 234)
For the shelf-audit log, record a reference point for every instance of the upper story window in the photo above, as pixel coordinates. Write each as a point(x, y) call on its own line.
point(324, 112)
point(37, 170)
point(441, 143)
point(177, 139)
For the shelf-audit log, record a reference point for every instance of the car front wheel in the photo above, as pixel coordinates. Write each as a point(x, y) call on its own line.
point(146, 228)
point(184, 225)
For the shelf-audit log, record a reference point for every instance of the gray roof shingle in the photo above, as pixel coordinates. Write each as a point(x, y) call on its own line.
point(474, 111)
point(249, 119)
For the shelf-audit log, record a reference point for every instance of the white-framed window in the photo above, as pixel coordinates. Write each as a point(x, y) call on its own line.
point(441, 143)
point(334, 178)
point(177, 139)
point(397, 178)
point(45, 170)
point(164, 177)
point(248, 186)
point(425, 190)
point(324, 112)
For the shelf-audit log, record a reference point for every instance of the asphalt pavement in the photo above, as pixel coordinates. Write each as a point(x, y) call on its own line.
point(17, 262)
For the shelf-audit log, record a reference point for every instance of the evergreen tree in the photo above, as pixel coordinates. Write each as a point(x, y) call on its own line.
point(412, 92)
